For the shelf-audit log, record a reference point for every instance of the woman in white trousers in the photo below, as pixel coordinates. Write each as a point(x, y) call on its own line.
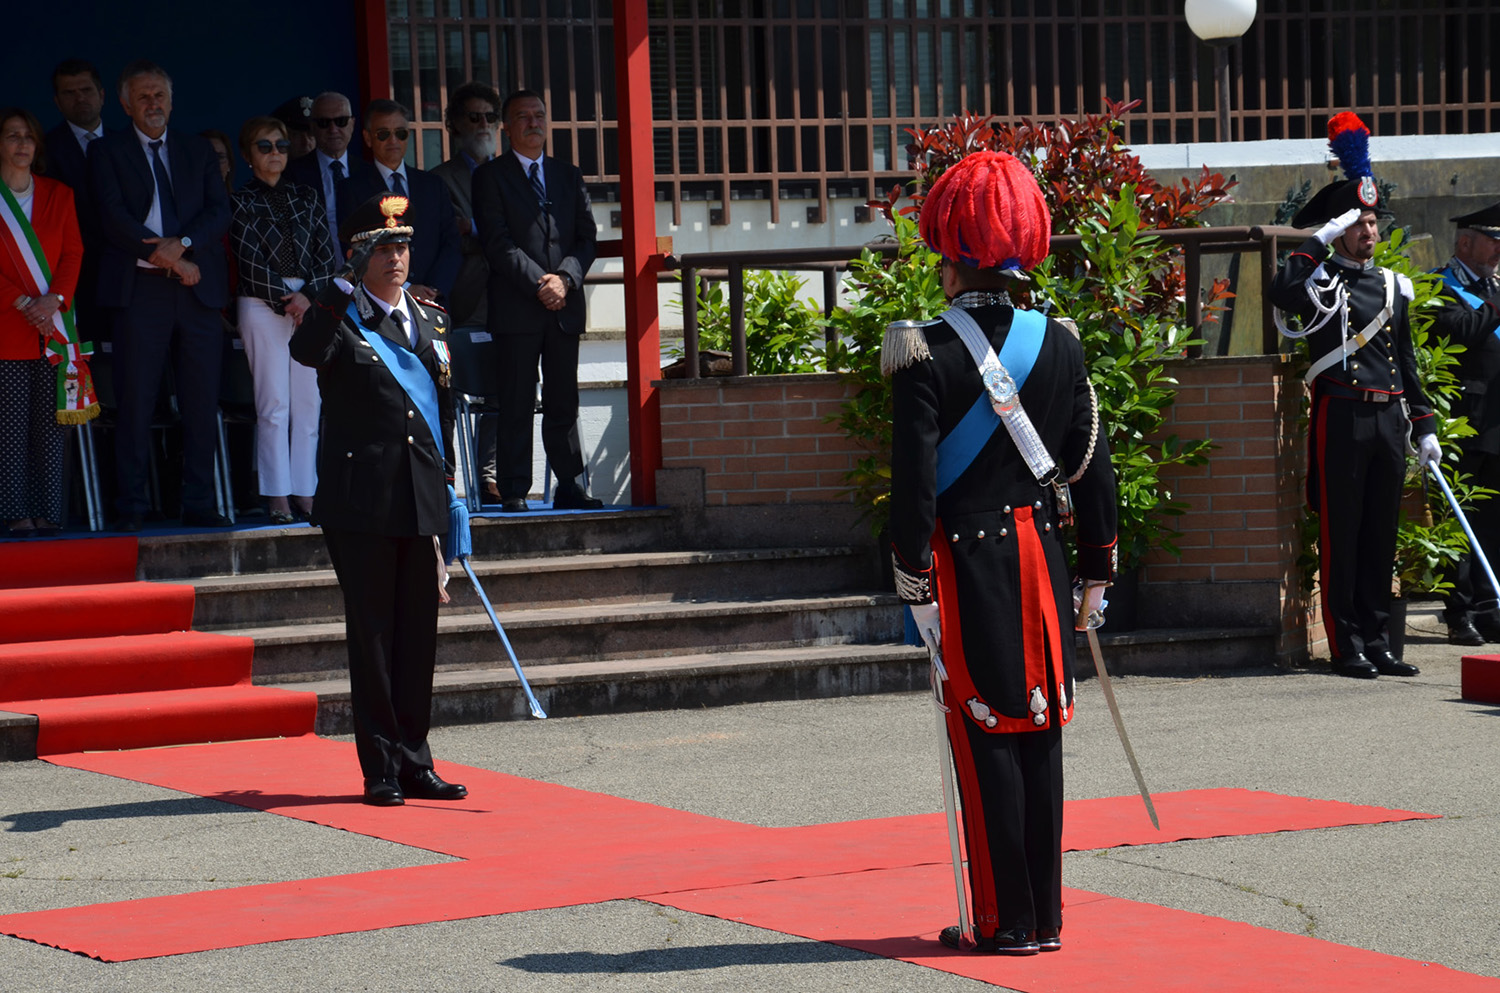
point(285, 256)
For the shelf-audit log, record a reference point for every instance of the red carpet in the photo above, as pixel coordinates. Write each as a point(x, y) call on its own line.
point(881, 886)
point(57, 612)
point(51, 563)
point(109, 663)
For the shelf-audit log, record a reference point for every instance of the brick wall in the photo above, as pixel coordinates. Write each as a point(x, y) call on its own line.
point(768, 440)
point(1244, 505)
point(759, 439)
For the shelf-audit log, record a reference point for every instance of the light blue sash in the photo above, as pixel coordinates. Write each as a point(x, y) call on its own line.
point(957, 451)
point(1450, 278)
point(409, 372)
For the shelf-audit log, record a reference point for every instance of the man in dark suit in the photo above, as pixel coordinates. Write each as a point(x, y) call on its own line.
point(78, 91)
point(473, 119)
point(1471, 317)
point(330, 164)
point(164, 211)
point(382, 499)
point(435, 253)
point(539, 237)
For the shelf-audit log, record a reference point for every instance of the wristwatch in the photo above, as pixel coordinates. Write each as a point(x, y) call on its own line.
point(186, 241)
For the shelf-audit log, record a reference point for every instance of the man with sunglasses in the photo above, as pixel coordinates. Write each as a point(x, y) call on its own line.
point(539, 235)
point(435, 253)
point(330, 165)
point(473, 119)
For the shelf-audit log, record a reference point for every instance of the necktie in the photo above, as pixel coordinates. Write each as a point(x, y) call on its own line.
point(400, 319)
point(398, 187)
point(337, 168)
point(535, 175)
point(164, 193)
point(88, 142)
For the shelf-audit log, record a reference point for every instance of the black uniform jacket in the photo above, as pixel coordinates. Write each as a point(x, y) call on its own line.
point(995, 496)
point(1479, 367)
point(380, 471)
point(1387, 362)
point(525, 239)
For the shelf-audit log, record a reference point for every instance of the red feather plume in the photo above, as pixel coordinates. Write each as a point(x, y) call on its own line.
point(988, 212)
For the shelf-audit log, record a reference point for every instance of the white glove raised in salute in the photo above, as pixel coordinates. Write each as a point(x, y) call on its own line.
point(1328, 232)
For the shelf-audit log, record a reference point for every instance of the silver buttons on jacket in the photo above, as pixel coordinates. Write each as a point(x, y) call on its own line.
point(410, 440)
point(980, 535)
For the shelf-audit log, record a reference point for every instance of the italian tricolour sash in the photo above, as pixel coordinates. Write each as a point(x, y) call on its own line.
point(76, 402)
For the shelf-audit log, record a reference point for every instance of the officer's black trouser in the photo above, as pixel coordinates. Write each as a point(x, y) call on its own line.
point(1358, 464)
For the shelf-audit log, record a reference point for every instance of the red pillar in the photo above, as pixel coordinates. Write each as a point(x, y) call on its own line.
point(638, 221)
point(373, 51)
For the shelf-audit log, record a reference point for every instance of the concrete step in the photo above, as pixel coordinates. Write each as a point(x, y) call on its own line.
point(253, 550)
point(265, 599)
point(596, 632)
point(704, 679)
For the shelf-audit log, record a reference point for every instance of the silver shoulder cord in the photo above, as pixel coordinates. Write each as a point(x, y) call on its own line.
point(1315, 292)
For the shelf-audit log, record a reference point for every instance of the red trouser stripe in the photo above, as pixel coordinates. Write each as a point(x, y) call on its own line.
point(1038, 610)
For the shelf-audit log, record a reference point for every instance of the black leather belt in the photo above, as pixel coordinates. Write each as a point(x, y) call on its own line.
point(1343, 392)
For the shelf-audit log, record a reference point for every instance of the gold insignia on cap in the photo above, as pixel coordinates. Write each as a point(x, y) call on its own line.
point(393, 207)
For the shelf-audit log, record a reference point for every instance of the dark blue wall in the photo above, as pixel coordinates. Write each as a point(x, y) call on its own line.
point(228, 61)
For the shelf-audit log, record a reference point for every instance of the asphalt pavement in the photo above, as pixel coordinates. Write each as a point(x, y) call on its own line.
point(1424, 890)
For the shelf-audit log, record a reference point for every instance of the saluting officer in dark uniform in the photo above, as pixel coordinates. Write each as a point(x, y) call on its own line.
point(1363, 379)
point(975, 536)
point(1471, 317)
point(382, 495)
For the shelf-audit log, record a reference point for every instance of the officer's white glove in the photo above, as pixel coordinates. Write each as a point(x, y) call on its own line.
point(1428, 450)
point(1328, 232)
point(929, 625)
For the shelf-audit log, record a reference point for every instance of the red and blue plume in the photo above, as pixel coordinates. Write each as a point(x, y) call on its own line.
point(1349, 139)
point(987, 212)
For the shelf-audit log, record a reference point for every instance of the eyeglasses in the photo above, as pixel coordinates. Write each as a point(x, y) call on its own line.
point(332, 122)
point(475, 116)
point(384, 134)
point(266, 147)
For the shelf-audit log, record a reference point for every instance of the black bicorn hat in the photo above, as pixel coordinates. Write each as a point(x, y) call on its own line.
point(1339, 196)
point(385, 216)
point(1486, 220)
point(296, 113)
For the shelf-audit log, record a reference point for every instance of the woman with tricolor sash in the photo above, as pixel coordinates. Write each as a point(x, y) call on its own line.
point(44, 374)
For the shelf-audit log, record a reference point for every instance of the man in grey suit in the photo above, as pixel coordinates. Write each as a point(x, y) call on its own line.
point(473, 120)
point(539, 238)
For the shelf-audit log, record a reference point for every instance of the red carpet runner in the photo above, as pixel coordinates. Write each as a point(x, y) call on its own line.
point(879, 886)
point(107, 662)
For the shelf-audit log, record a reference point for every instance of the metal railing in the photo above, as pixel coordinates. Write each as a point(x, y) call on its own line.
point(830, 263)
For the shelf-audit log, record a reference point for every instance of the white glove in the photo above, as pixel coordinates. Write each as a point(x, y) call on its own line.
point(1088, 602)
point(1428, 450)
point(1328, 232)
point(929, 625)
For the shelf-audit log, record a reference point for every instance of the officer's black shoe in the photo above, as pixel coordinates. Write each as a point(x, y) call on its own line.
point(1049, 939)
point(383, 793)
point(204, 519)
point(1355, 666)
point(574, 498)
point(1463, 632)
point(427, 785)
point(1388, 665)
point(513, 505)
point(1017, 941)
point(1488, 626)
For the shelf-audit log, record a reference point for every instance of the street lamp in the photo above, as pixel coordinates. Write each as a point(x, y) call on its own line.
point(1220, 23)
